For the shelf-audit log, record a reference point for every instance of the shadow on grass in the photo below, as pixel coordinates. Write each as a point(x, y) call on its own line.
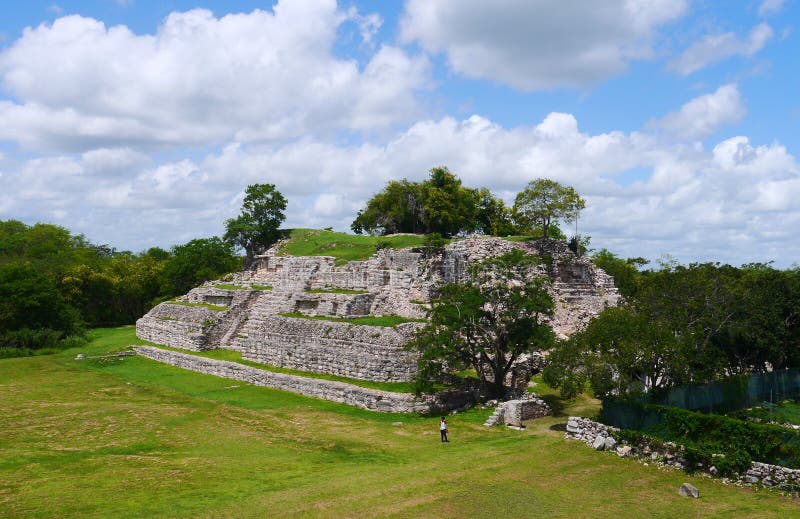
point(562, 427)
point(556, 403)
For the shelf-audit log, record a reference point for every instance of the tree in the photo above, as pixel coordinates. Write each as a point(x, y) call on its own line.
point(256, 228)
point(33, 314)
point(624, 271)
point(681, 325)
point(492, 215)
point(620, 352)
point(486, 323)
point(398, 208)
point(198, 261)
point(543, 202)
point(440, 204)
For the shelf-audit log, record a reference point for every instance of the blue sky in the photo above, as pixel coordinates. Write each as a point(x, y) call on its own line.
point(139, 123)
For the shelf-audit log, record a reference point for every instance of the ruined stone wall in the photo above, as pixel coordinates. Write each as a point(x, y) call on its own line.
point(355, 351)
point(514, 412)
point(178, 326)
point(599, 436)
point(398, 282)
point(372, 399)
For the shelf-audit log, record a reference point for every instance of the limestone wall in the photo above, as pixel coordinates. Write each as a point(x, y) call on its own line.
point(372, 399)
point(362, 352)
point(398, 282)
point(178, 326)
point(514, 412)
point(517, 411)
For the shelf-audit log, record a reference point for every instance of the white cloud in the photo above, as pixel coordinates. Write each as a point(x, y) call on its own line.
point(770, 7)
point(703, 115)
point(694, 203)
point(714, 48)
point(538, 45)
point(77, 84)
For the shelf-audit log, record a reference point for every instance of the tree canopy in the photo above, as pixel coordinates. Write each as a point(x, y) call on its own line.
point(543, 203)
point(684, 324)
point(257, 227)
point(486, 323)
point(54, 284)
point(440, 204)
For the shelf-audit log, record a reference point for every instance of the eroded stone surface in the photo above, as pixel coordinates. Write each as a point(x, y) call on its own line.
point(372, 399)
point(392, 282)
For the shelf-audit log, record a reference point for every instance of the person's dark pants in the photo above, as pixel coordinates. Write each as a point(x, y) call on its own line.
point(444, 435)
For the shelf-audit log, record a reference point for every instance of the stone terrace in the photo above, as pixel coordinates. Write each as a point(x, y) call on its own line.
point(274, 326)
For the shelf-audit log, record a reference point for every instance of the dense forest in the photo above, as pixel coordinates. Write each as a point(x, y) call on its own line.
point(55, 285)
point(681, 324)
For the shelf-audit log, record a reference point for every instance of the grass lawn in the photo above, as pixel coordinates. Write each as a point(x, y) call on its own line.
point(129, 437)
point(216, 308)
point(342, 246)
point(787, 411)
point(388, 321)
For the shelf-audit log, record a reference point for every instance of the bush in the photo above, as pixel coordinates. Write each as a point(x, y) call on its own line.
point(704, 435)
point(24, 342)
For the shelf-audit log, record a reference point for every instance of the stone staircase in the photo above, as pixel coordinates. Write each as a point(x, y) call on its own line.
point(224, 336)
point(496, 417)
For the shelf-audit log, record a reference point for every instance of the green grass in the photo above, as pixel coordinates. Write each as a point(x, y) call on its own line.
point(787, 411)
point(336, 291)
point(236, 356)
point(225, 286)
point(389, 321)
point(342, 246)
point(129, 437)
point(216, 308)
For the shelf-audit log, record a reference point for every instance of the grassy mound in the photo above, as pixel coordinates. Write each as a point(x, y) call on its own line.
point(129, 437)
point(342, 246)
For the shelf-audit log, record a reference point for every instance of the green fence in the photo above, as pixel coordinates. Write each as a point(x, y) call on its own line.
point(709, 433)
point(733, 394)
point(683, 414)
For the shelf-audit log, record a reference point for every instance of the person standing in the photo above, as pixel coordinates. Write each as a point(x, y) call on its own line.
point(443, 430)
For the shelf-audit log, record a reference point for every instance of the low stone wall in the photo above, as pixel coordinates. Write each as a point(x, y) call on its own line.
point(773, 476)
point(354, 351)
point(594, 434)
point(178, 326)
point(515, 411)
point(599, 436)
point(371, 399)
point(178, 334)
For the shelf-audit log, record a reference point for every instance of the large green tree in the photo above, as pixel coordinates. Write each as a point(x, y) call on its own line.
point(440, 204)
point(257, 227)
point(684, 324)
point(545, 202)
point(486, 322)
point(196, 262)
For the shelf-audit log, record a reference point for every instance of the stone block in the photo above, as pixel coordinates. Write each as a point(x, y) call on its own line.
point(688, 490)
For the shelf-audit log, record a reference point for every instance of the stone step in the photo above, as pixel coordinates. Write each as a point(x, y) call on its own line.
point(495, 418)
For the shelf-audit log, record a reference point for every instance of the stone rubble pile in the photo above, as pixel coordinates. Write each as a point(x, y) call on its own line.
point(599, 436)
point(594, 434)
point(773, 476)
